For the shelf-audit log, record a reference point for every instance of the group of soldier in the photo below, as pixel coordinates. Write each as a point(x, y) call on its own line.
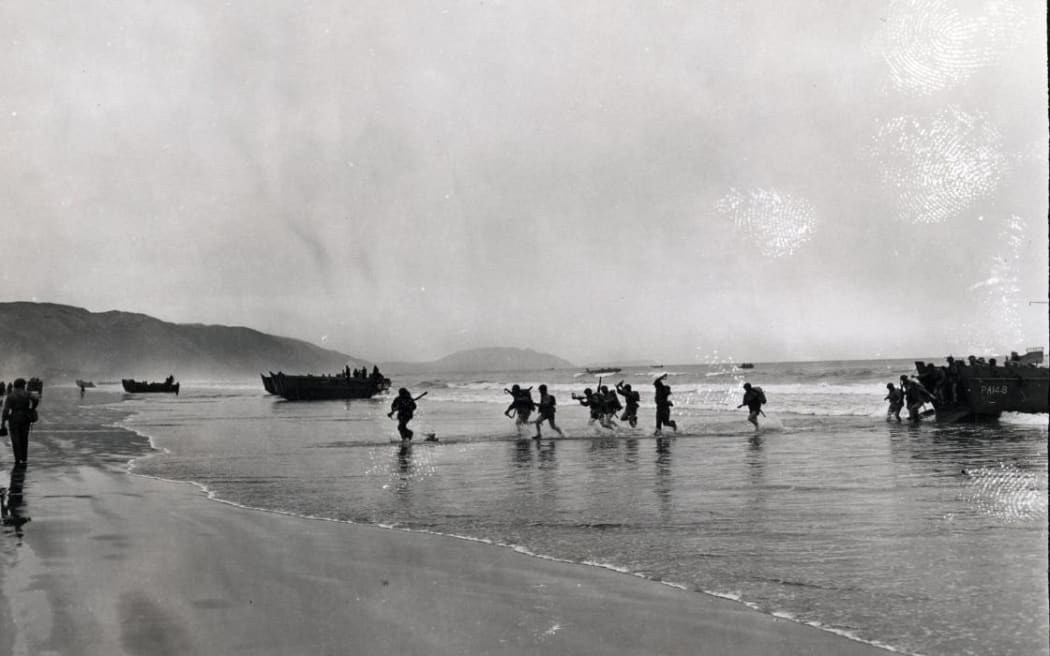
point(938, 386)
point(604, 404)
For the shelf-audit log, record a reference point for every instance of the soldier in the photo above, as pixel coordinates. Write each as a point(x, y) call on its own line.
point(19, 413)
point(663, 405)
point(405, 407)
point(630, 400)
point(546, 412)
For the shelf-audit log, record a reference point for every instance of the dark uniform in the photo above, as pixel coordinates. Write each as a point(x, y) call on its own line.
point(631, 400)
point(405, 407)
point(663, 405)
point(19, 406)
point(896, 399)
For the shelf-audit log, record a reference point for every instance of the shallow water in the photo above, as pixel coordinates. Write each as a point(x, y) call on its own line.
point(928, 539)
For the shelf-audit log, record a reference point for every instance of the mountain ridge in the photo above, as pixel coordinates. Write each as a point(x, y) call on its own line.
point(63, 343)
point(483, 359)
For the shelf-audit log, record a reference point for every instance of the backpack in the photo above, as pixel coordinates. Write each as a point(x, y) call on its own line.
point(761, 395)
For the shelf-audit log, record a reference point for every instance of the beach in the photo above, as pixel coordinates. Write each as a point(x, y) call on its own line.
point(111, 562)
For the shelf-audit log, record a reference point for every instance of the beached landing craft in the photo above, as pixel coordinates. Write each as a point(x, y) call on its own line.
point(985, 392)
point(325, 387)
point(132, 386)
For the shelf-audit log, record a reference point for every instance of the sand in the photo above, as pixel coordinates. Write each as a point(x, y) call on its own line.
point(115, 563)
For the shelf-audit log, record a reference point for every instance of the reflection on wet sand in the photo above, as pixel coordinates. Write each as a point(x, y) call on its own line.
point(12, 501)
point(663, 476)
point(756, 461)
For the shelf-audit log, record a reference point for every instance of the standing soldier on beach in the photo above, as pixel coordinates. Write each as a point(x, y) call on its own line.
point(546, 412)
point(663, 405)
point(630, 399)
point(754, 399)
point(405, 407)
point(18, 414)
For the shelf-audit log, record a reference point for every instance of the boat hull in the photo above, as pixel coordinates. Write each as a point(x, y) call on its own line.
point(323, 388)
point(142, 387)
point(985, 392)
point(1007, 389)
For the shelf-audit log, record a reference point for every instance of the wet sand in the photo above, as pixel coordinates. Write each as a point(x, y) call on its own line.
point(114, 563)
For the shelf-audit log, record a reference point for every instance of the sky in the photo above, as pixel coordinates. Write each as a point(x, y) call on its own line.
point(607, 181)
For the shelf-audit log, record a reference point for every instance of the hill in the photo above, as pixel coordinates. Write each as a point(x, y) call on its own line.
point(63, 343)
point(482, 359)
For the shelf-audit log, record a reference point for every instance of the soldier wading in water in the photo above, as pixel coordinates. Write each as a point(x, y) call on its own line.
point(405, 407)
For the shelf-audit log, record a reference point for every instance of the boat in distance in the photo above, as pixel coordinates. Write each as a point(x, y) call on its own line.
point(324, 387)
point(747, 365)
point(132, 386)
point(83, 384)
point(986, 390)
point(604, 370)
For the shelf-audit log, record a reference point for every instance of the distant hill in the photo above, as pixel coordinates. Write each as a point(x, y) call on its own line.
point(63, 343)
point(482, 359)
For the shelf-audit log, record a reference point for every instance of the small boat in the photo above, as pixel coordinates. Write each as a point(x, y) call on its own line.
point(983, 391)
point(747, 365)
point(84, 384)
point(132, 386)
point(604, 370)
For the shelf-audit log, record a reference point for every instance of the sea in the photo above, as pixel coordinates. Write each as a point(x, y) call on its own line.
point(924, 539)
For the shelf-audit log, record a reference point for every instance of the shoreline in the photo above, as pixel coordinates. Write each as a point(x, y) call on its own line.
point(119, 562)
point(582, 608)
point(210, 495)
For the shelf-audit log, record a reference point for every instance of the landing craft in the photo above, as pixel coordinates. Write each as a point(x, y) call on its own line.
point(984, 392)
point(132, 386)
point(325, 387)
